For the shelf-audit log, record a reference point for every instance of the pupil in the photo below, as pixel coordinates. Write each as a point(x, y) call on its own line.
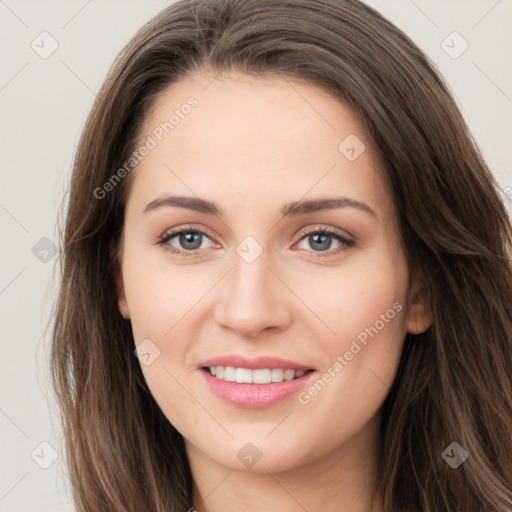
point(187, 240)
point(318, 243)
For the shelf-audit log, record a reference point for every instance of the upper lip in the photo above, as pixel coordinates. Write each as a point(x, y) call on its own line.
point(256, 363)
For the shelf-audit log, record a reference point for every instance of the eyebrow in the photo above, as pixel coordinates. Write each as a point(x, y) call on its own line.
point(291, 209)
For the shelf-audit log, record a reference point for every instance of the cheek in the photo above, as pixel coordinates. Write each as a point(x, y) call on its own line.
point(160, 296)
point(161, 301)
point(161, 311)
point(362, 300)
point(371, 306)
point(364, 309)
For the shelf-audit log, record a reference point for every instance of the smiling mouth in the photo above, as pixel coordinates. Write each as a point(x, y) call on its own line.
point(259, 376)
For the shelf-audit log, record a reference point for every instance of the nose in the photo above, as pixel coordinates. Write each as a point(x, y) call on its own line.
point(253, 299)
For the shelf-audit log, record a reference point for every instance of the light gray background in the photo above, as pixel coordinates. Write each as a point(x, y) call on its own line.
point(43, 105)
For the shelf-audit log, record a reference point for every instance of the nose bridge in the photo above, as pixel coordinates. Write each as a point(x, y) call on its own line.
point(253, 297)
point(250, 276)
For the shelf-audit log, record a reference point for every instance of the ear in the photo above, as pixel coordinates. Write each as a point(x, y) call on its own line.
point(419, 315)
point(118, 281)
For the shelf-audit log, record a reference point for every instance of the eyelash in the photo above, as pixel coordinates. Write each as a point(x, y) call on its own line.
point(346, 242)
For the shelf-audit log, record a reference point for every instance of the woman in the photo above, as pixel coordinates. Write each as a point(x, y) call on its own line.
point(285, 279)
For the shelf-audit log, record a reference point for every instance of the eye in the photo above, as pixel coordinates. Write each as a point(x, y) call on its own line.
point(188, 238)
point(321, 240)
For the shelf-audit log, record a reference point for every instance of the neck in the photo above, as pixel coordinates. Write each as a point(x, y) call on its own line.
point(342, 480)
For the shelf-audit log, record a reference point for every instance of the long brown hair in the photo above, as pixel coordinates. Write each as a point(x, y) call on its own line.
point(454, 380)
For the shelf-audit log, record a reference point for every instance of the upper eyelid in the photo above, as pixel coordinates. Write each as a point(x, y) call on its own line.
point(171, 233)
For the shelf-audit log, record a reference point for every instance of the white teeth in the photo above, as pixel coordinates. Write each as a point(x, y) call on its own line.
point(229, 374)
point(277, 375)
point(243, 375)
point(260, 376)
point(289, 374)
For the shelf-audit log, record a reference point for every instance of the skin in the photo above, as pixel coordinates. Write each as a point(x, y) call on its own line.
point(252, 145)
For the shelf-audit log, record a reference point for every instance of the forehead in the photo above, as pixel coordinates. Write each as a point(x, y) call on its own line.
point(260, 139)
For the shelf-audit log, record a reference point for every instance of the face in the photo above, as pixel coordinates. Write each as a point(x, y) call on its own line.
point(252, 273)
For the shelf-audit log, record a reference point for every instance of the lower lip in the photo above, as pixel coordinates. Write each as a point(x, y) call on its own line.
point(255, 396)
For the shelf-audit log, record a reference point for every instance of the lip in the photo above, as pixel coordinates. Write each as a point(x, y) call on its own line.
point(257, 363)
point(255, 396)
